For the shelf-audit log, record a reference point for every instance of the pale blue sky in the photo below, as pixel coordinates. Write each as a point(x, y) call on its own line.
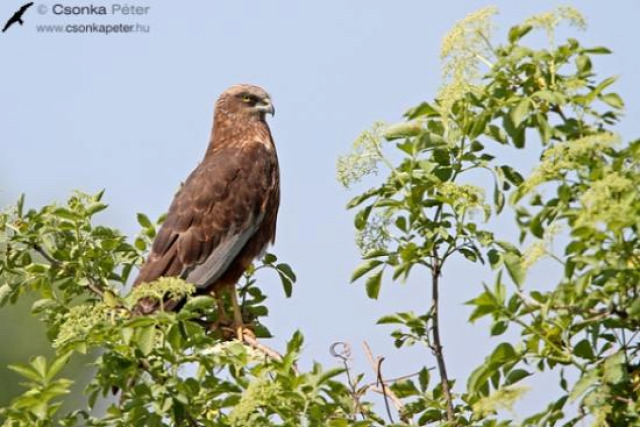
point(132, 114)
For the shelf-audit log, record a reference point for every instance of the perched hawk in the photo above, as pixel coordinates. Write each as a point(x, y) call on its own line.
point(224, 215)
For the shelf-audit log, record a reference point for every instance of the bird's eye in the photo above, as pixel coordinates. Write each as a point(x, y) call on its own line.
point(246, 98)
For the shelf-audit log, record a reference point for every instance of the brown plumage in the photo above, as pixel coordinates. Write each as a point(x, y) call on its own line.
point(225, 214)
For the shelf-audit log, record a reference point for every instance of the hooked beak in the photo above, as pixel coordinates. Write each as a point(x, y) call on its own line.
point(266, 107)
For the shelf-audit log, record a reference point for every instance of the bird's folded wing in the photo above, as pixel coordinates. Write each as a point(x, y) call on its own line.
point(219, 208)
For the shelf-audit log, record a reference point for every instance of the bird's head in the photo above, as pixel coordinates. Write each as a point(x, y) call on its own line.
point(245, 100)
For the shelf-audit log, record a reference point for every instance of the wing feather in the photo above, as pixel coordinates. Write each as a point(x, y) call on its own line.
point(218, 209)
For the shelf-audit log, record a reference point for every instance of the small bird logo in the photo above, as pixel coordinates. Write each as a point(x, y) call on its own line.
point(17, 17)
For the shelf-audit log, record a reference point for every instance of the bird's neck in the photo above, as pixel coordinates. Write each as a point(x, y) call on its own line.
point(229, 131)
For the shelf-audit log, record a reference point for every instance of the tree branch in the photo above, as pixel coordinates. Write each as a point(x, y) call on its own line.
point(51, 260)
point(253, 342)
point(436, 347)
point(91, 284)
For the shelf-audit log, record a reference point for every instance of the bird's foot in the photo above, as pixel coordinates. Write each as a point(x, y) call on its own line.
point(243, 330)
point(236, 331)
point(222, 324)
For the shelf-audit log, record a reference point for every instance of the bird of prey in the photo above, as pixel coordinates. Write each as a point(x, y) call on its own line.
point(224, 215)
point(17, 17)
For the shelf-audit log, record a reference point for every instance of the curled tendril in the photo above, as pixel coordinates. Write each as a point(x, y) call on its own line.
point(341, 350)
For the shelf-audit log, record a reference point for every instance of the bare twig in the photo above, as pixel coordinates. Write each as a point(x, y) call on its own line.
point(396, 379)
point(556, 109)
point(345, 355)
point(382, 388)
point(95, 288)
point(264, 349)
point(255, 344)
point(394, 399)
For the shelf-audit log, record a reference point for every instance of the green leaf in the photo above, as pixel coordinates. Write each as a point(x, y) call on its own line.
point(5, 291)
point(508, 247)
point(520, 112)
point(20, 206)
point(598, 50)
point(364, 268)
point(404, 388)
point(65, 214)
point(287, 271)
point(502, 354)
point(583, 63)
point(373, 285)
point(516, 375)
point(613, 99)
point(516, 270)
point(144, 221)
point(518, 31)
point(494, 258)
point(499, 328)
point(42, 304)
point(389, 319)
point(585, 382)
point(423, 379)
point(423, 109)
point(199, 303)
point(295, 343)
point(58, 364)
point(174, 337)
point(512, 175)
point(362, 197)
point(497, 133)
point(516, 134)
point(479, 377)
point(287, 285)
point(146, 339)
point(403, 130)
point(468, 254)
point(269, 258)
point(140, 244)
point(498, 198)
point(26, 371)
point(361, 218)
point(39, 363)
point(583, 349)
point(615, 369)
point(634, 308)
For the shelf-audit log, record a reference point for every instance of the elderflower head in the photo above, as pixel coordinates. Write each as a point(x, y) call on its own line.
point(540, 248)
point(612, 201)
point(79, 321)
point(375, 235)
point(260, 392)
point(565, 156)
point(462, 197)
point(164, 287)
point(364, 156)
point(463, 48)
point(548, 21)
